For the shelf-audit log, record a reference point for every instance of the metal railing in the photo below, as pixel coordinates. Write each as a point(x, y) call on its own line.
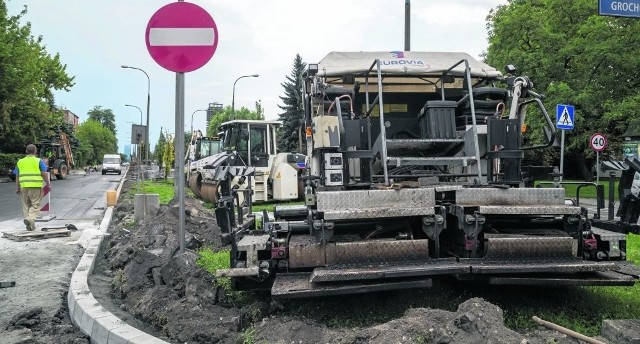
point(380, 101)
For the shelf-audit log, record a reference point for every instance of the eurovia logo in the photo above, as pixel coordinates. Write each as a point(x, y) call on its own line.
point(400, 60)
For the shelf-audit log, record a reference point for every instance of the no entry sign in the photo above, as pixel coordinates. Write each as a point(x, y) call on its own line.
point(181, 37)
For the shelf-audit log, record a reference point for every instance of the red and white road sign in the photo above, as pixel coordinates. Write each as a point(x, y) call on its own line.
point(598, 142)
point(46, 199)
point(181, 37)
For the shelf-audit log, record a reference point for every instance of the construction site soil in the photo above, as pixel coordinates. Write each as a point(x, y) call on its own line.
point(144, 279)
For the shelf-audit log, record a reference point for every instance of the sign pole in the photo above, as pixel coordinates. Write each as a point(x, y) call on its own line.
point(598, 168)
point(179, 154)
point(181, 37)
point(562, 155)
point(564, 121)
point(598, 142)
point(177, 178)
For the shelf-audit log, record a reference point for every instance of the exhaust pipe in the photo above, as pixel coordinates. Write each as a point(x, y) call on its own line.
point(407, 25)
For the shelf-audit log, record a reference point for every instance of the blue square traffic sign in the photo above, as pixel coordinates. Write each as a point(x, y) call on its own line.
point(564, 117)
point(616, 8)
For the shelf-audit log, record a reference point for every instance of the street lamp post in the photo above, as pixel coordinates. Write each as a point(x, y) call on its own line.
point(192, 119)
point(143, 142)
point(233, 95)
point(147, 146)
point(138, 110)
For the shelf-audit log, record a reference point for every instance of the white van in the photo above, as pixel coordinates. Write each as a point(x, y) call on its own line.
point(111, 163)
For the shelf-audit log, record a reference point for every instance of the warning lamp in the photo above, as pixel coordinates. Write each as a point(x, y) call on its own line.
point(308, 131)
point(313, 69)
point(523, 128)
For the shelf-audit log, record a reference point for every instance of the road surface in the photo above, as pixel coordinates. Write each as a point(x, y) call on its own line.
point(42, 268)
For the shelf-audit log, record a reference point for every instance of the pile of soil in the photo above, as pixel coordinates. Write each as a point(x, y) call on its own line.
point(155, 283)
point(33, 327)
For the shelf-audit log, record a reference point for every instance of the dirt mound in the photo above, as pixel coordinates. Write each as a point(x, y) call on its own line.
point(475, 321)
point(166, 289)
point(31, 326)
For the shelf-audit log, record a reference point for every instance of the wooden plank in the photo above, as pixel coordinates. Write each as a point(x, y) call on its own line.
point(24, 235)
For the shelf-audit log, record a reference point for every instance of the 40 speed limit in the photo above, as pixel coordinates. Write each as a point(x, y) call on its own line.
point(598, 142)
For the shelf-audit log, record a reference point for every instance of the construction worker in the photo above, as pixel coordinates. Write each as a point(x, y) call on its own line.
point(31, 176)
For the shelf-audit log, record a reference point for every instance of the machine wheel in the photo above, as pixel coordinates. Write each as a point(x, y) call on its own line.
point(103, 173)
point(62, 172)
point(209, 193)
point(195, 184)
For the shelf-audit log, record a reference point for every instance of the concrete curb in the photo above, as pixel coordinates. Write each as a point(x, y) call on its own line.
point(85, 311)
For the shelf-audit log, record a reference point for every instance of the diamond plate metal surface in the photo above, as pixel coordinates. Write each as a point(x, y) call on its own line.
point(608, 278)
point(367, 204)
point(296, 285)
point(530, 210)
point(606, 235)
point(426, 267)
point(519, 247)
point(567, 265)
point(305, 251)
point(380, 251)
point(510, 197)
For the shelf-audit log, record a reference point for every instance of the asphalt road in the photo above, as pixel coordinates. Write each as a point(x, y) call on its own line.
point(42, 268)
point(71, 198)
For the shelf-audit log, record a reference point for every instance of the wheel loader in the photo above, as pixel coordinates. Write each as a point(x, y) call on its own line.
point(56, 152)
point(416, 173)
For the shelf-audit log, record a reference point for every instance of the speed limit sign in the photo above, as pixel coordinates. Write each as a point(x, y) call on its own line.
point(598, 142)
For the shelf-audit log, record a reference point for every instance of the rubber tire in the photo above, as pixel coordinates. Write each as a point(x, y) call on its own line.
point(103, 173)
point(195, 181)
point(64, 172)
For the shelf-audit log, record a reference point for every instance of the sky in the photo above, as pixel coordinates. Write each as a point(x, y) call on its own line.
point(94, 38)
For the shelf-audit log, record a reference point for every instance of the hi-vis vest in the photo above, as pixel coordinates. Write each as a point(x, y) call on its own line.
point(29, 172)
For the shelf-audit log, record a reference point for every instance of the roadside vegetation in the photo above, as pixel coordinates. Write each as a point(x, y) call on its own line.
point(163, 188)
point(571, 188)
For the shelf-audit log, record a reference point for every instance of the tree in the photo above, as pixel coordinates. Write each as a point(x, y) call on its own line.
point(168, 156)
point(574, 57)
point(104, 117)
point(28, 76)
point(293, 116)
point(159, 149)
point(226, 115)
point(95, 141)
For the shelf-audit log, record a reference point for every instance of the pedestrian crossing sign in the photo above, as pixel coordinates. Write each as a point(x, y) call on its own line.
point(564, 117)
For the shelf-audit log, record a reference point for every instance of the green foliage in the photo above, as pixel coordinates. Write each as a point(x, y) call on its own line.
point(292, 133)
point(213, 261)
point(270, 206)
point(168, 156)
point(8, 161)
point(104, 117)
point(248, 336)
point(571, 189)
point(164, 189)
point(28, 76)
point(95, 141)
point(159, 149)
point(227, 115)
point(575, 57)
